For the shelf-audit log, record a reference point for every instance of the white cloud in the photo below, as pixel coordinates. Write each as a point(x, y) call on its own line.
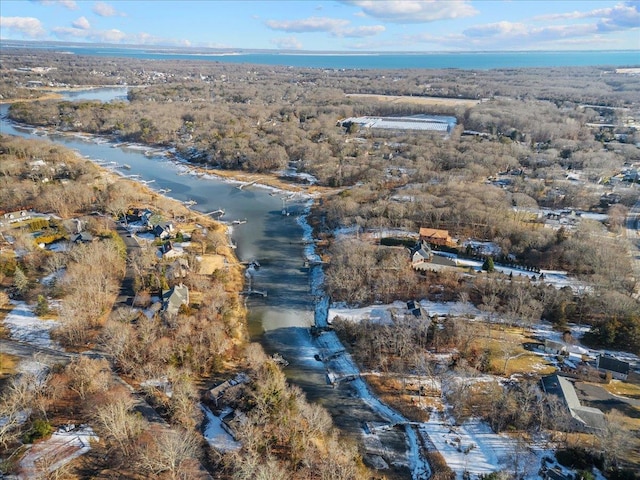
point(594, 27)
point(115, 36)
point(335, 26)
point(623, 16)
point(105, 10)
point(508, 35)
point(414, 11)
point(311, 24)
point(287, 43)
point(82, 23)
point(26, 26)
point(359, 32)
point(70, 4)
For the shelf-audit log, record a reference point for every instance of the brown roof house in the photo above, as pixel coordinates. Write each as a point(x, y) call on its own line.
point(436, 237)
point(174, 298)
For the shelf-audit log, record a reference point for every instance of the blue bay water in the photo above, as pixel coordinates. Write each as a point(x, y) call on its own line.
point(459, 60)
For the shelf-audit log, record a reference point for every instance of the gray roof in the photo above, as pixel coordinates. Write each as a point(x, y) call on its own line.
point(82, 237)
point(560, 386)
point(613, 364)
point(175, 297)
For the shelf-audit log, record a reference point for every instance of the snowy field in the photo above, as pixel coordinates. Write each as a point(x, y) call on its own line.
point(557, 278)
point(383, 314)
point(474, 448)
point(25, 326)
point(217, 436)
point(49, 455)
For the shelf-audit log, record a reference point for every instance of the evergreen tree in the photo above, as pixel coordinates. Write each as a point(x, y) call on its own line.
point(20, 281)
point(488, 265)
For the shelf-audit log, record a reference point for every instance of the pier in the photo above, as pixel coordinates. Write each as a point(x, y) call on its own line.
point(259, 293)
point(240, 187)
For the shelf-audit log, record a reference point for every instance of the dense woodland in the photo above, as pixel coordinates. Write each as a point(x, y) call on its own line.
point(267, 118)
point(513, 124)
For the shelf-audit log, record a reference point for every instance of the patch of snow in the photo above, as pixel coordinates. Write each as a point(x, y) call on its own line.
point(26, 327)
point(162, 383)
point(66, 444)
point(54, 276)
point(215, 434)
point(59, 246)
point(32, 367)
point(483, 248)
point(346, 231)
point(382, 313)
point(473, 447)
point(146, 236)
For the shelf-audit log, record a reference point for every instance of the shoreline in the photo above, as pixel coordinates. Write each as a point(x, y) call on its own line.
point(416, 463)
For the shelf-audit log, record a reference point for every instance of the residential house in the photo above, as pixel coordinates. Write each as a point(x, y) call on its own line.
point(18, 216)
point(163, 230)
point(174, 298)
point(216, 392)
point(617, 368)
point(179, 268)
point(582, 419)
point(82, 237)
point(436, 237)
point(421, 253)
point(170, 250)
point(555, 348)
point(145, 216)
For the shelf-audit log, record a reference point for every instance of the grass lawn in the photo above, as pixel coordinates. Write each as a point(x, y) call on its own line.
point(624, 389)
point(8, 365)
point(505, 344)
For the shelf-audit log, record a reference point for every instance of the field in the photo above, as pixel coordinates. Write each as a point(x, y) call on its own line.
point(426, 101)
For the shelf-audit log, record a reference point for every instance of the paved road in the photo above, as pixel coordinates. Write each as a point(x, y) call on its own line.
point(44, 355)
point(633, 235)
point(127, 292)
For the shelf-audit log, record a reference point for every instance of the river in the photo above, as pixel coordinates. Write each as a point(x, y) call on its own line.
point(281, 321)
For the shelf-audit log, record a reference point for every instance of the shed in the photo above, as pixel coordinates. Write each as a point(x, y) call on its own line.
point(619, 369)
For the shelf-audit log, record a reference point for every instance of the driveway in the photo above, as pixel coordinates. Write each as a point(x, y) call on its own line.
point(127, 292)
point(596, 396)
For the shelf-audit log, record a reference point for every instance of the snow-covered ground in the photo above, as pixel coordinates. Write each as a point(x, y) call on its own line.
point(557, 278)
point(545, 330)
point(162, 383)
point(49, 455)
point(384, 313)
point(26, 327)
point(217, 436)
point(473, 447)
point(48, 280)
point(483, 248)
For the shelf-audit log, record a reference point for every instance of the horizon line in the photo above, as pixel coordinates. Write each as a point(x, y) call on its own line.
point(242, 50)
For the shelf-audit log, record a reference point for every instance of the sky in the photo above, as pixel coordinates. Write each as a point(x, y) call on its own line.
point(331, 25)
